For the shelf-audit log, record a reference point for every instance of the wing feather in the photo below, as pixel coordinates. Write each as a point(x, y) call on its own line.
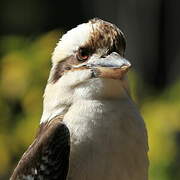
point(48, 156)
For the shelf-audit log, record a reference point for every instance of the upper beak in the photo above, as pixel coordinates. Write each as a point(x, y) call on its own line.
point(113, 66)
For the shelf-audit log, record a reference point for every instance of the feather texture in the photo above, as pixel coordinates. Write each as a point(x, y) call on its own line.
point(48, 156)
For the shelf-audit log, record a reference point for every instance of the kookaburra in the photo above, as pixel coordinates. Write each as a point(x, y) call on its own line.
point(90, 127)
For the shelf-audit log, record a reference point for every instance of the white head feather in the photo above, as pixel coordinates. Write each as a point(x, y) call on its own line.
point(71, 41)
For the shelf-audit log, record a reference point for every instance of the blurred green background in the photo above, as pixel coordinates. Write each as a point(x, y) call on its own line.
point(28, 34)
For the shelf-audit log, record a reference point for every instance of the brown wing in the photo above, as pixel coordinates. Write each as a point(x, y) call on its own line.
point(48, 156)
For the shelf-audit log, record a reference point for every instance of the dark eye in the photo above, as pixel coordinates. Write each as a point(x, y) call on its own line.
point(82, 54)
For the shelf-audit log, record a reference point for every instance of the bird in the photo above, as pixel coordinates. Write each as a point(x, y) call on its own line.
point(90, 129)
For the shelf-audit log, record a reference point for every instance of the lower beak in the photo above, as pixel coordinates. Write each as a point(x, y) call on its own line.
point(113, 66)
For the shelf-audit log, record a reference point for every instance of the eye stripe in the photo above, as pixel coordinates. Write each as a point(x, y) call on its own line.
point(60, 67)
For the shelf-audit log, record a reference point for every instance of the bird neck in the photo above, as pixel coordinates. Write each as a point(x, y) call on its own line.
point(58, 99)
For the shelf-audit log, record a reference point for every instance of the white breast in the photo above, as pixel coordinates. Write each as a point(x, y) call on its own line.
point(108, 141)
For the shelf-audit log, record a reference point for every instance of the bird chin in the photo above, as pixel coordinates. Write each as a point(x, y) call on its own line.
point(99, 88)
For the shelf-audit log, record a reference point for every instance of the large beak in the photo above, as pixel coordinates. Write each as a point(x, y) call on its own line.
point(113, 66)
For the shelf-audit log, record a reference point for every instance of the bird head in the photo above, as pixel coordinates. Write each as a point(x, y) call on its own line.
point(88, 62)
point(96, 47)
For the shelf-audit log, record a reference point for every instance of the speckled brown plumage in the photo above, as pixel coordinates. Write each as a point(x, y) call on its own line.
point(48, 156)
point(107, 35)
